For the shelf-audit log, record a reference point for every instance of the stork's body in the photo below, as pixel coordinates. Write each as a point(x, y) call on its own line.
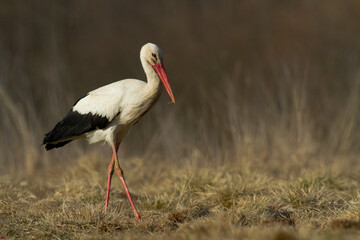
point(107, 113)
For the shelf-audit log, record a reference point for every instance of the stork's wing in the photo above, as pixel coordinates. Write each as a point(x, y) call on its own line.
point(94, 111)
point(79, 121)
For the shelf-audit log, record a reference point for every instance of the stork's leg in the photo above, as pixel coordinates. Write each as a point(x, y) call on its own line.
point(119, 172)
point(110, 173)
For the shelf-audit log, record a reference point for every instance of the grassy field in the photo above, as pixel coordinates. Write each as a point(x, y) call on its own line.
point(262, 143)
point(227, 201)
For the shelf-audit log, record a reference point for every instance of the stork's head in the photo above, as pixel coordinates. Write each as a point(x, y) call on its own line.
point(152, 55)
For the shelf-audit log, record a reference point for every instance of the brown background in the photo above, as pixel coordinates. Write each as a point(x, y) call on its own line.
point(262, 78)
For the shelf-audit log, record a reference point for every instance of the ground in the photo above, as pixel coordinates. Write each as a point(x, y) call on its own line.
point(187, 201)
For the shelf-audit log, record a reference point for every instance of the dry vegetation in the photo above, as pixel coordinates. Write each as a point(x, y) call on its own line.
point(262, 143)
point(189, 202)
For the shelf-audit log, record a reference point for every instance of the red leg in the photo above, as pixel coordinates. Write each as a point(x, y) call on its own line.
point(119, 172)
point(110, 173)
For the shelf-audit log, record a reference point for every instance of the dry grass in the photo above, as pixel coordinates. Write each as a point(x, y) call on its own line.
point(187, 202)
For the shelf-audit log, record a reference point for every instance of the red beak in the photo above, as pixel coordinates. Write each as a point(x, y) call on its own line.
point(159, 68)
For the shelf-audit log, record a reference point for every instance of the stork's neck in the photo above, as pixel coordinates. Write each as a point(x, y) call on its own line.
point(153, 80)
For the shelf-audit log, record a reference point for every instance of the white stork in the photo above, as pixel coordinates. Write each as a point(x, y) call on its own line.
point(107, 113)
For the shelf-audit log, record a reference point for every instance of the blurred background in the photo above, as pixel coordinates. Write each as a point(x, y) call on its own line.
point(259, 84)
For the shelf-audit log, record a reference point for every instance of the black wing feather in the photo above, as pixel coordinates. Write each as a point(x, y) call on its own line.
point(50, 146)
point(73, 125)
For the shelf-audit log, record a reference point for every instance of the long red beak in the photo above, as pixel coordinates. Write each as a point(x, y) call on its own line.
point(159, 68)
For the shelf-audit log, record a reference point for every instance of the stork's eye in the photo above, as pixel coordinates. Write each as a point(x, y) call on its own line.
point(154, 55)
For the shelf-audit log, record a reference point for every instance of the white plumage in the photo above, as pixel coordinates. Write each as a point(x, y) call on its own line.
point(107, 113)
point(122, 103)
